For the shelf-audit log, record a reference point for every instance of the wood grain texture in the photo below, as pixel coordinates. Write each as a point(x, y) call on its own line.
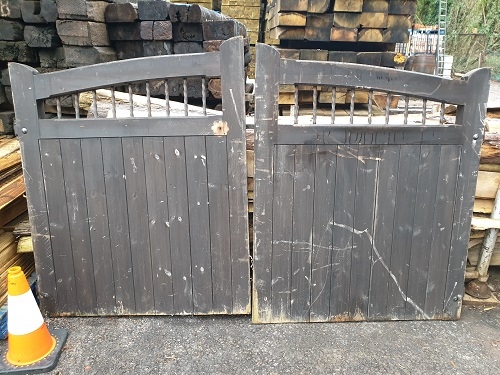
point(158, 216)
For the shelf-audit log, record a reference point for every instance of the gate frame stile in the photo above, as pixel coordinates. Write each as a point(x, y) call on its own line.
point(27, 129)
point(30, 89)
point(469, 94)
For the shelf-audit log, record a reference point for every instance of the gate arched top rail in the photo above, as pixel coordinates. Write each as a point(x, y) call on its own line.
point(119, 72)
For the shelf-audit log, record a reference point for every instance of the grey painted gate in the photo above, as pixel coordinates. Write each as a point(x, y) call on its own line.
point(141, 214)
point(356, 220)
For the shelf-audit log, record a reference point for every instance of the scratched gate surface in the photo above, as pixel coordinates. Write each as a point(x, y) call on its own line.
point(137, 213)
point(362, 217)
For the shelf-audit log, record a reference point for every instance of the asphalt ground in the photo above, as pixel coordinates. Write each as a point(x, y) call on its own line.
point(233, 345)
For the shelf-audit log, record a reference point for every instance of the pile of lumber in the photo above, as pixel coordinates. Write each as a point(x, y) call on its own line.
point(12, 210)
point(350, 31)
point(23, 27)
point(82, 29)
point(372, 21)
point(160, 28)
point(488, 183)
point(249, 13)
point(12, 189)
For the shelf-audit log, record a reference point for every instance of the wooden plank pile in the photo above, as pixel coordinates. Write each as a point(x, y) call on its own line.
point(153, 28)
point(249, 13)
point(487, 184)
point(12, 210)
point(83, 32)
point(351, 31)
point(372, 21)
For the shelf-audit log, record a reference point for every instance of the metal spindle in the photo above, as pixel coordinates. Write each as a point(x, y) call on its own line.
point(334, 101)
point(407, 103)
point(167, 98)
point(370, 106)
point(113, 102)
point(131, 100)
point(387, 108)
point(76, 105)
point(58, 105)
point(424, 111)
point(185, 91)
point(351, 110)
point(315, 104)
point(441, 114)
point(148, 98)
point(94, 103)
point(204, 96)
point(296, 105)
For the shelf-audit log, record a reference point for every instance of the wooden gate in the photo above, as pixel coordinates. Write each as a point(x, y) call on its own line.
point(142, 213)
point(359, 217)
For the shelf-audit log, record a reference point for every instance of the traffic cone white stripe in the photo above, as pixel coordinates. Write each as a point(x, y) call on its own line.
point(27, 318)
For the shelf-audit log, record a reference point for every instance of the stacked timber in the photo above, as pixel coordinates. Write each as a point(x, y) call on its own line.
point(83, 32)
point(351, 31)
point(209, 4)
point(12, 210)
point(372, 21)
point(488, 182)
point(153, 28)
point(13, 47)
point(249, 13)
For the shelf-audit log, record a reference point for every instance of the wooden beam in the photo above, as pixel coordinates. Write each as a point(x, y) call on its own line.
point(483, 223)
point(487, 184)
point(341, 34)
point(11, 191)
point(348, 6)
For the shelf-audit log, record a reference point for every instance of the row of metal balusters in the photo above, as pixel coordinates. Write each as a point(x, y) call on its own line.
point(76, 100)
point(351, 108)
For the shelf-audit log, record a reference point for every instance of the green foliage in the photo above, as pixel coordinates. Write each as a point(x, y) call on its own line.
point(427, 12)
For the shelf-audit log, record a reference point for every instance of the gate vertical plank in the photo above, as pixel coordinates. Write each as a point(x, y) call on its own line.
point(159, 232)
point(27, 117)
point(382, 231)
point(441, 232)
point(303, 198)
point(326, 158)
point(402, 234)
point(362, 241)
point(114, 178)
point(345, 184)
point(428, 171)
point(71, 153)
point(472, 119)
point(180, 247)
point(67, 299)
point(282, 232)
point(199, 221)
point(266, 112)
point(220, 240)
point(135, 183)
point(93, 171)
point(233, 107)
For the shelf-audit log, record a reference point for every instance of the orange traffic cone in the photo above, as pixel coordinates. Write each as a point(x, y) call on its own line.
point(31, 347)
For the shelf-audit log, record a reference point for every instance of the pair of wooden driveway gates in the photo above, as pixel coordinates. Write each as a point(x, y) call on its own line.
point(147, 215)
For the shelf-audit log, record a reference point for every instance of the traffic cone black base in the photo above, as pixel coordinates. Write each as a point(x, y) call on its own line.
point(44, 365)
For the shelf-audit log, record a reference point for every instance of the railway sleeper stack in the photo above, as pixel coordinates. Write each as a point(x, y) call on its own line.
point(153, 28)
point(250, 13)
point(351, 31)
